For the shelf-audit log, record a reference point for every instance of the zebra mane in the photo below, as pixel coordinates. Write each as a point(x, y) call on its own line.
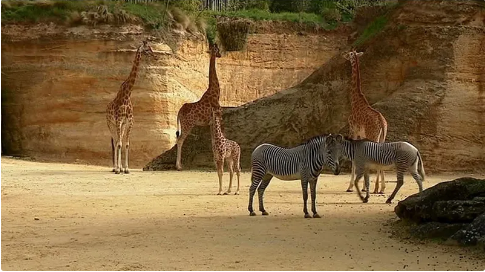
point(315, 138)
point(347, 138)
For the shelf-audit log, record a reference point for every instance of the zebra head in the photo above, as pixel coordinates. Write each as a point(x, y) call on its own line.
point(333, 154)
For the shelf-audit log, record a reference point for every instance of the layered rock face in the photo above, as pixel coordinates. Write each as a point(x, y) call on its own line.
point(424, 72)
point(57, 81)
point(452, 210)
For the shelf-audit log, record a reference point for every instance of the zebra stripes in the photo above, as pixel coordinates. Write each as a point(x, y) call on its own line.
point(303, 162)
point(368, 155)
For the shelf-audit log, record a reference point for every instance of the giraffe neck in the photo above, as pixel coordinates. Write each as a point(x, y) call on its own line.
point(217, 134)
point(357, 98)
point(214, 89)
point(127, 85)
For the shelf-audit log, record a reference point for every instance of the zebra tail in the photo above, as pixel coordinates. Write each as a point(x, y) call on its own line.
point(421, 167)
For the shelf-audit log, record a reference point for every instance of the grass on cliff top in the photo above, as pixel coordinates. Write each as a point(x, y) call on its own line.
point(371, 30)
point(263, 15)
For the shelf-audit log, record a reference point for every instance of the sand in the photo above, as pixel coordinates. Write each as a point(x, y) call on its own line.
point(79, 217)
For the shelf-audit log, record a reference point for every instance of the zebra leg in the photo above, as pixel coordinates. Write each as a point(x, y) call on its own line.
point(367, 185)
point(352, 176)
point(252, 190)
point(304, 188)
point(358, 175)
point(418, 180)
point(313, 191)
point(400, 182)
point(261, 189)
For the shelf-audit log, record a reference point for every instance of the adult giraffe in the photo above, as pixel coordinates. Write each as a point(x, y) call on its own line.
point(199, 113)
point(364, 121)
point(119, 112)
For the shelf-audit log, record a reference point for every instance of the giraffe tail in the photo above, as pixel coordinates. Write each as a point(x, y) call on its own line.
point(113, 151)
point(178, 127)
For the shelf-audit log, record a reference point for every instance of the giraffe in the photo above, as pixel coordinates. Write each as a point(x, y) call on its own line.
point(199, 113)
point(119, 113)
point(224, 148)
point(364, 121)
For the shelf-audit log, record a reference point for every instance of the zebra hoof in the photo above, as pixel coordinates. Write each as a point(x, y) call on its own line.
point(365, 200)
point(381, 192)
point(226, 193)
point(389, 201)
point(316, 215)
point(127, 171)
point(114, 170)
point(252, 214)
point(307, 215)
point(117, 172)
point(349, 190)
point(264, 213)
point(236, 193)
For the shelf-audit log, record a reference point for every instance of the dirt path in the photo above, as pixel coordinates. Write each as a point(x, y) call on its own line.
point(91, 219)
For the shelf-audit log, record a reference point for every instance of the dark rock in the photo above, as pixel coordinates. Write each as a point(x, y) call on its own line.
point(458, 210)
point(420, 207)
point(471, 234)
point(435, 230)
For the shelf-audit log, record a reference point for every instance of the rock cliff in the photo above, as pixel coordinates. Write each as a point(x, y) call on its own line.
point(425, 71)
point(57, 81)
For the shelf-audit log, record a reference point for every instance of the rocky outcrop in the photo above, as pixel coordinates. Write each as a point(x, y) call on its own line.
point(472, 234)
point(452, 210)
point(425, 66)
point(57, 81)
point(454, 201)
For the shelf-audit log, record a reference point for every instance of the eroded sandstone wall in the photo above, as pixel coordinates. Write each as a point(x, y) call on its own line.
point(424, 71)
point(56, 83)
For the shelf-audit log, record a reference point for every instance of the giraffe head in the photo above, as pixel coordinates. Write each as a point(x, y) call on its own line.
point(214, 50)
point(146, 50)
point(352, 56)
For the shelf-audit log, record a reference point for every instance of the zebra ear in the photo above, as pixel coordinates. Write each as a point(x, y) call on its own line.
point(340, 138)
point(329, 139)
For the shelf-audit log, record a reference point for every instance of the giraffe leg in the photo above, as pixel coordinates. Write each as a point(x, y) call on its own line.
point(352, 176)
point(113, 154)
point(127, 146)
point(185, 131)
point(220, 169)
point(383, 183)
point(238, 172)
point(376, 185)
point(230, 166)
point(119, 130)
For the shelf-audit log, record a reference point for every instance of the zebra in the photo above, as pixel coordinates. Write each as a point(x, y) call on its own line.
point(304, 162)
point(367, 155)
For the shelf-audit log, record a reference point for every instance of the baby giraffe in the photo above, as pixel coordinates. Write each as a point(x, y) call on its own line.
point(224, 149)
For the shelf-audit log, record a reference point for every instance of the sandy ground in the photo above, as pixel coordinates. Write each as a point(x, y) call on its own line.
point(78, 217)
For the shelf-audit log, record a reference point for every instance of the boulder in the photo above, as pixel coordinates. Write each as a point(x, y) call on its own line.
point(430, 206)
point(458, 210)
point(435, 230)
point(472, 234)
